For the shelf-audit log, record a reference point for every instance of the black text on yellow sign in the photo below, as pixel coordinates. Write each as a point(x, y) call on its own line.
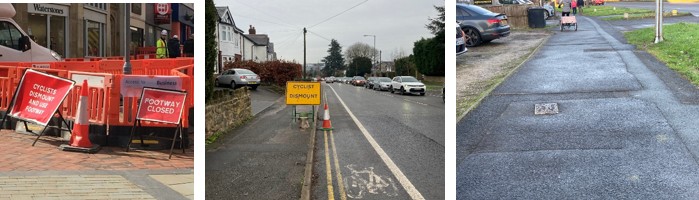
point(302, 93)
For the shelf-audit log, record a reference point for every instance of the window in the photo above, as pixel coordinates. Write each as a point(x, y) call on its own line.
point(10, 36)
point(136, 8)
point(94, 39)
point(57, 34)
point(223, 34)
point(100, 6)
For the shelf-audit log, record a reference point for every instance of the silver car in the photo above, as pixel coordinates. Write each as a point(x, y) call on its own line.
point(238, 78)
point(382, 83)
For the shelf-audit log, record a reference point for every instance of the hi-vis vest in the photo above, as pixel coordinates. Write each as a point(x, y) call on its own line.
point(161, 49)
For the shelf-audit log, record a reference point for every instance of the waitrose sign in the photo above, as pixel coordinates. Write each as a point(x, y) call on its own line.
point(51, 9)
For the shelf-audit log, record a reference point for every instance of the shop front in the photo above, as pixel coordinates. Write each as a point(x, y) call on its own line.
point(48, 24)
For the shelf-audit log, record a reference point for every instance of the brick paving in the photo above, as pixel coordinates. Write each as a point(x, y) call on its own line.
point(18, 155)
point(45, 172)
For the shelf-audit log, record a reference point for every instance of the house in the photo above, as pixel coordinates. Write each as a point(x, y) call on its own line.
point(257, 50)
point(384, 66)
point(229, 38)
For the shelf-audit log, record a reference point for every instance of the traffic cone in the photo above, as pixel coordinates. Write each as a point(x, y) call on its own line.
point(81, 128)
point(326, 119)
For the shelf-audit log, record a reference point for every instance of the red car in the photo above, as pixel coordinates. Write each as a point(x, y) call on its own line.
point(598, 2)
point(358, 81)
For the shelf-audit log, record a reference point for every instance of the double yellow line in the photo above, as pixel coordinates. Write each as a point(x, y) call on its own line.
point(328, 168)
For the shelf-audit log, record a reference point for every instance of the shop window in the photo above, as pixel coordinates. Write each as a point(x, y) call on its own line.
point(136, 38)
point(58, 31)
point(37, 29)
point(94, 39)
point(10, 36)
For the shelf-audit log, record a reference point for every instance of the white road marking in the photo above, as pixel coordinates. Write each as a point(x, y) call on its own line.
point(402, 179)
point(365, 180)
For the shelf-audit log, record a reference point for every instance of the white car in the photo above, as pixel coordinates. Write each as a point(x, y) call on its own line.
point(549, 10)
point(407, 84)
point(16, 45)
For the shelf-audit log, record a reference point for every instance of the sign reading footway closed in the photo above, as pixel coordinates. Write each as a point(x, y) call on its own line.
point(302, 93)
point(160, 105)
point(38, 96)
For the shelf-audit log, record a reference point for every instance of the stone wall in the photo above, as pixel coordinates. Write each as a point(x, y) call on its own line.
point(227, 110)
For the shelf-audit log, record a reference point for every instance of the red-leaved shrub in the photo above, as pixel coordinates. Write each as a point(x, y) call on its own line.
point(272, 72)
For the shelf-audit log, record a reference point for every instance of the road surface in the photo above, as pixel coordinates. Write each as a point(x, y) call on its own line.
point(383, 146)
point(623, 128)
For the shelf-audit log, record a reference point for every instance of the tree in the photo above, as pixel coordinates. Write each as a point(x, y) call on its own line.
point(359, 67)
point(360, 50)
point(405, 66)
point(211, 16)
point(429, 55)
point(436, 25)
point(334, 61)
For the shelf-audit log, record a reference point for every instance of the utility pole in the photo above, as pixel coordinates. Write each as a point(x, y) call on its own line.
point(658, 21)
point(304, 52)
point(127, 38)
point(373, 51)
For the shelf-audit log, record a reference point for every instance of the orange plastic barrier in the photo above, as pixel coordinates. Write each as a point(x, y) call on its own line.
point(99, 87)
point(105, 75)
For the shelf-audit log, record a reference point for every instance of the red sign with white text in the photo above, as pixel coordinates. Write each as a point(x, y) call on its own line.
point(159, 105)
point(38, 96)
point(162, 13)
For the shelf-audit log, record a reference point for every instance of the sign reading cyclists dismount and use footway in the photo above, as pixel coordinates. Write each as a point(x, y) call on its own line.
point(302, 93)
point(38, 96)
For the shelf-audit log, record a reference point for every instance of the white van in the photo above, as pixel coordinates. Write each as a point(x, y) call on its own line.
point(15, 45)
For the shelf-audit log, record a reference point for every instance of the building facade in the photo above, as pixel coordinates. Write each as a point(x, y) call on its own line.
point(95, 29)
point(229, 37)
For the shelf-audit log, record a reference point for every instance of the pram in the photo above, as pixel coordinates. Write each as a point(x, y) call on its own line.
point(568, 22)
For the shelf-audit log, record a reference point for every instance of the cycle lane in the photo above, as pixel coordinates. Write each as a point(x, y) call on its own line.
point(346, 165)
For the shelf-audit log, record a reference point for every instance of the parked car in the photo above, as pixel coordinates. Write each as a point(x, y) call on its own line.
point(460, 41)
point(481, 25)
point(598, 2)
point(382, 83)
point(237, 78)
point(358, 81)
point(370, 82)
point(549, 10)
point(330, 79)
point(347, 80)
point(407, 84)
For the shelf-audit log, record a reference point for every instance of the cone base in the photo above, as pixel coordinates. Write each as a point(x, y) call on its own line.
point(94, 149)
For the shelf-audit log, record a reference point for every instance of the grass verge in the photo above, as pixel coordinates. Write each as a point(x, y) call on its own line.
point(643, 16)
point(465, 104)
point(679, 50)
point(597, 11)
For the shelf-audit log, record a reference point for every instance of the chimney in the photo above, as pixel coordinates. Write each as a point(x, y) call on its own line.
point(252, 31)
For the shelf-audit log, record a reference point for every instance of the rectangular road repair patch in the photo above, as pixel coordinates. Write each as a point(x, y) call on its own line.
point(302, 93)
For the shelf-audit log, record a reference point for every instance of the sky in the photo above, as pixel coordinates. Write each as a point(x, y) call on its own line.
point(396, 24)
